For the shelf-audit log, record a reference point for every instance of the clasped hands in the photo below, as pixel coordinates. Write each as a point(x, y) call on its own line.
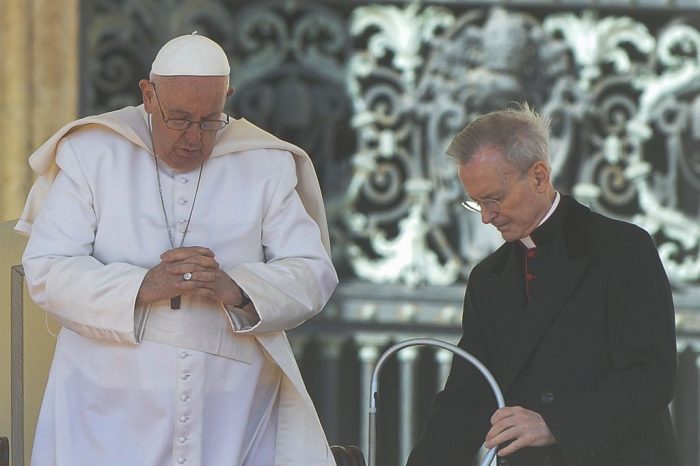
point(207, 280)
point(519, 426)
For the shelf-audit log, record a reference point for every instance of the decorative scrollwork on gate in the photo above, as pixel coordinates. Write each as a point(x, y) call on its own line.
point(625, 117)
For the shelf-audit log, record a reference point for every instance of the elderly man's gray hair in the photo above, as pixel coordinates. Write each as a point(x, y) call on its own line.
point(520, 133)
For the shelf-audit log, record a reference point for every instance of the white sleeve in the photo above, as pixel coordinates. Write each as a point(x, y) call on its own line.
point(297, 278)
point(93, 299)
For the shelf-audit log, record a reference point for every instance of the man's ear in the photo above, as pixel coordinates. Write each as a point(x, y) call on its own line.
point(541, 172)
point(147, 95)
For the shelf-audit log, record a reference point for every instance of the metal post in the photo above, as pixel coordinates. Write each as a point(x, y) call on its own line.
point(327, 398)
point(368, 354)
point(444, 361)
point(407, 363)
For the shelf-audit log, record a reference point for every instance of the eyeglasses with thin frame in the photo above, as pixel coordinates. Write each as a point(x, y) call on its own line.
point(490, 205)
point(182, 124)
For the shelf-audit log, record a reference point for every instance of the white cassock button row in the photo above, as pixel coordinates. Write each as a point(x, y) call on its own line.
point(182, 201)
point(186, 430)
point(183, 179)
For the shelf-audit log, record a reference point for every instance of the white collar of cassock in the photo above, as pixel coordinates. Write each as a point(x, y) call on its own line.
point(527, 241)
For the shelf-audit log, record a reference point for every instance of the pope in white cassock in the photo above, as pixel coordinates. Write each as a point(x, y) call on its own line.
point(175, 246)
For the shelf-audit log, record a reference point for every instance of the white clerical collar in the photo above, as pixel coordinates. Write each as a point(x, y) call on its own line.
point(527, 241)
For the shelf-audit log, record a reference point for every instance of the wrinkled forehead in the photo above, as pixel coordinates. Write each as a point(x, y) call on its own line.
point(197, 96)
point(192, 88)
point(190, 81)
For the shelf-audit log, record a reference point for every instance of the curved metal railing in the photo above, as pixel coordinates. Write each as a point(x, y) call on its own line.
point(374, 387)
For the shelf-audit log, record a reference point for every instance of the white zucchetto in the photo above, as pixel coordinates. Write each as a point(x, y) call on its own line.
point(191, 55)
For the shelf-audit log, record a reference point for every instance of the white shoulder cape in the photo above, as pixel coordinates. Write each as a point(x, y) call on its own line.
point(130, 122)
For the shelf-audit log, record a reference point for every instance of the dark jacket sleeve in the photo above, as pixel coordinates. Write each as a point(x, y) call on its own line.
point(460, 416)
point(641, 338)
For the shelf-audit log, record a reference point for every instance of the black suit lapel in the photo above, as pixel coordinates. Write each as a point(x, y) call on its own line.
point(502, 295)
point(509, 286)
point(554, 285)
point(563, 252)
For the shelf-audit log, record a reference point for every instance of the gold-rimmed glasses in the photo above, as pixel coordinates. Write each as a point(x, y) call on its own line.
point(490, 205)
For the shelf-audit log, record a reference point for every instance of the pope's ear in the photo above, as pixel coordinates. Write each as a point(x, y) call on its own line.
point(231, 91)
point(147, 95)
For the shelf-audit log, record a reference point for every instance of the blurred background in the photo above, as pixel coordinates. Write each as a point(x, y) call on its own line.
point(374, 91)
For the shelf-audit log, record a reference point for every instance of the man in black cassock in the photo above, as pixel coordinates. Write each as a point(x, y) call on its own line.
point(573, 315)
